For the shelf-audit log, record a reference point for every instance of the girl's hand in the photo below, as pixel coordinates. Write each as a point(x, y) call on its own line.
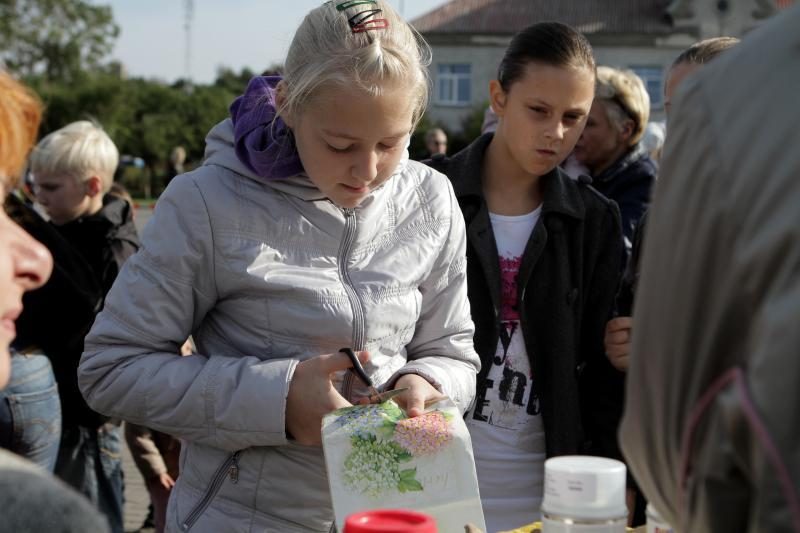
point(312, 395)
point(420, 393)
point(618, 341)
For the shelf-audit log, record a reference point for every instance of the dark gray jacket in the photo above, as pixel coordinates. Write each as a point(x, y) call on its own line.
point(33, 500)
point(567, 281)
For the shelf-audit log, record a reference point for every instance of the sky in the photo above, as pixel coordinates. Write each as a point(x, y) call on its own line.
point(231, 33)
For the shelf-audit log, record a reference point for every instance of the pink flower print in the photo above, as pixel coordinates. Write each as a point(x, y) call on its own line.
point(509, 270)
point(425, 434)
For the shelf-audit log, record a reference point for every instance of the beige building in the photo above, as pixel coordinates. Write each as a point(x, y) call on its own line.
point(468, 38)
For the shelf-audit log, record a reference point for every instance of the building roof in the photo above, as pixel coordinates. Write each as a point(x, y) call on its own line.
point(502, 17)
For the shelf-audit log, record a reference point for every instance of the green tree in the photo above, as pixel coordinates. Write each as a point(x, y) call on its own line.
point(236, 82)
point(55, 39)
point(232, 81)
point(145, 118)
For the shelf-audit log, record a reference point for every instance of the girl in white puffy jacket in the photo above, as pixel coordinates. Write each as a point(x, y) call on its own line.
point(306, 230)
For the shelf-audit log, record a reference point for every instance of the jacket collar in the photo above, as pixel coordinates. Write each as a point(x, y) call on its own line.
point(559, 192)
point(630, 157)
point(114, 220)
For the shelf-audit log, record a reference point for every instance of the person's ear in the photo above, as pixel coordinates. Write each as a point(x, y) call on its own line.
point(497, 98)
point(280, 102)
point(627, 130)
point(94, 186)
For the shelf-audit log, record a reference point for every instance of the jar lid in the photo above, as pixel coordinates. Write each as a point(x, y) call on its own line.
point(584, 487)
point(389, 521)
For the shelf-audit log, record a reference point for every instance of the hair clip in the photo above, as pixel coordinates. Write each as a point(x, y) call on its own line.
point(374, 24)
point(352, 3)
point(365, 21)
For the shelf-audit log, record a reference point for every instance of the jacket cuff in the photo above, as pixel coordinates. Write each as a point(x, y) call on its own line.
point(390, 383)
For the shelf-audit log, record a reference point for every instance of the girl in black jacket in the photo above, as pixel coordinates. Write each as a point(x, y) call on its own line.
point(543, 261)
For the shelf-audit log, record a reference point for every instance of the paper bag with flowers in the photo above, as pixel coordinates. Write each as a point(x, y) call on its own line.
point(377, 457)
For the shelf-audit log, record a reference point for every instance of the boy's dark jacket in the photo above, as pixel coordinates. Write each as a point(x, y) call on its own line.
point(105, 240)
point(87, 255)
point(567, 281)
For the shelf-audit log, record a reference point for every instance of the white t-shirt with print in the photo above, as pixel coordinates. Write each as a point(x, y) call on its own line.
point(506, 422)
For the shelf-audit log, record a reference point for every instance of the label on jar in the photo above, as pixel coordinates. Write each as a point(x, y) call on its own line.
point(571, 488)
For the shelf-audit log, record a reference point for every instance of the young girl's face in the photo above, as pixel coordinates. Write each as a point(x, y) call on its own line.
point(24, 265)
point(351, 143)
point(543, 114)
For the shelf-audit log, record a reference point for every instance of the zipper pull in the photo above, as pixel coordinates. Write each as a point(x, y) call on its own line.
point(233, 472)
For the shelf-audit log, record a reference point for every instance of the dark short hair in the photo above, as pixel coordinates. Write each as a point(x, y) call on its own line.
point(551, 43)
point(702, 52)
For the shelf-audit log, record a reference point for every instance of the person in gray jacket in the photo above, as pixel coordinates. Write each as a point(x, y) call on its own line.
point(306, 230)
point(710, 429)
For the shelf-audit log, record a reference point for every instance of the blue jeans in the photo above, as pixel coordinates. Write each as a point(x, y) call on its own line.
point(90, 460)
point(30, 411)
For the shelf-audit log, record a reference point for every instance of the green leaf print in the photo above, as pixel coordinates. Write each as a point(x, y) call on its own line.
point(408, 482)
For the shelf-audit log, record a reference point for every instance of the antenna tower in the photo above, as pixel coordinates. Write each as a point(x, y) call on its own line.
point(188, 9)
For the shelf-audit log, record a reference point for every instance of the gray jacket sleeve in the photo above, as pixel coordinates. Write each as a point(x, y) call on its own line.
point(131, 367)
point(441, 349)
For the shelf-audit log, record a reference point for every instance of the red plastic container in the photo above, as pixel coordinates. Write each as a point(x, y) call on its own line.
point(390, 521)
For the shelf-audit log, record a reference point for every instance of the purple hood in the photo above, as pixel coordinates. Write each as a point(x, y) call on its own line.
point(262, 141)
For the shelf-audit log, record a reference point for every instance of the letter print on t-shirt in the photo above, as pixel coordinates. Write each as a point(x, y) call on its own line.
point(508, 397)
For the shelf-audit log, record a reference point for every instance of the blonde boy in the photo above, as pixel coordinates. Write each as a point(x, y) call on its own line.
point(72, 170)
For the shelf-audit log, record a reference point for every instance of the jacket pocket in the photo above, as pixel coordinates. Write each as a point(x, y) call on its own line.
point(230, 468)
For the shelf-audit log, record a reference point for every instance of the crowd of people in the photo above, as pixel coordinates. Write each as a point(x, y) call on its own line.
point(503, 277)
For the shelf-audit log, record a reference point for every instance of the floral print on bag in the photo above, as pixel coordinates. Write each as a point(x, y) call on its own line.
point(385, 443)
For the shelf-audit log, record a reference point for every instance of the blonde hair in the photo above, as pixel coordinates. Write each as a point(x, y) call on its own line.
point(326, 52)
point(702, 52)
point(20, 113)
point(81, 150)
point(624, 97)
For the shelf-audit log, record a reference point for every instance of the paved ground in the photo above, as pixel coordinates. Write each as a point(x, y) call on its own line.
point(142, 215)
point(136, 497)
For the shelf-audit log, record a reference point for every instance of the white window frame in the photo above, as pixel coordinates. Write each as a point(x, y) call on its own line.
point(445, 74)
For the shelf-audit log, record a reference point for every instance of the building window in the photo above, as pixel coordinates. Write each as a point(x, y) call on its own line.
point(453, 84)
point(652, 78)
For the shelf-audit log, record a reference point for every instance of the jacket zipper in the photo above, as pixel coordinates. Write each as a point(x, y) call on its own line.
point(230, 468)
point(350, 229)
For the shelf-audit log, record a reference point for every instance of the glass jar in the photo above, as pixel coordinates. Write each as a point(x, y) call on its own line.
point(584, 494)
point(558, 524)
